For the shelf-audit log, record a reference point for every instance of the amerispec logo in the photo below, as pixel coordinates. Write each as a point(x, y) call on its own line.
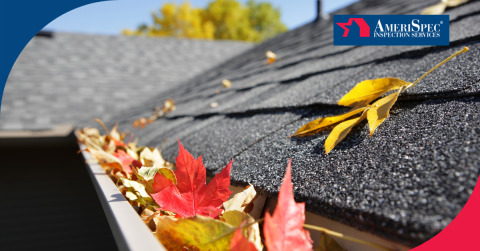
point(413, 29)
point(391, 30)
point(364, 28)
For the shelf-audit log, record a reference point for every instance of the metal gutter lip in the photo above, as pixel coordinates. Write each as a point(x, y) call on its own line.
point(129, 231)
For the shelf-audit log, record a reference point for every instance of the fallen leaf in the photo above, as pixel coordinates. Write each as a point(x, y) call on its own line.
point(240, 243)
point(324, 122)
point(271, 57)
point(196, 232)
point(284, 230)
point(237, 218)
point(136, 192)
point(240, 200)
point(141, 123)
point(168, 106)
point(152, 158)
point(367, 91)
point(105, 159)
point(436, 9)
point(191, 196)
point(439, 8)
point(226, 83)
point(379, 111)
point(328, 244)
point(147, 175)
point(126, 160)
point(161, 179)
point(111, 147)
point(340, 132)
point(454, 3)
point(360, 98)
point(114, 134)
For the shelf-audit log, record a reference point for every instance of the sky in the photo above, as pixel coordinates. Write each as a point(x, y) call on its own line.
point(111, 17)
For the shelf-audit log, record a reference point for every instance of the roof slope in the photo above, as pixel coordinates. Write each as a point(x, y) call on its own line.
point(405, 183)
point(72, 78)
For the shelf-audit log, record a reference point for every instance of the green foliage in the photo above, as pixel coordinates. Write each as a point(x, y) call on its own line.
point(221, 19)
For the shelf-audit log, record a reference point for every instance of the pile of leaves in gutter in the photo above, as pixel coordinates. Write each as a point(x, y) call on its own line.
point(185, 213)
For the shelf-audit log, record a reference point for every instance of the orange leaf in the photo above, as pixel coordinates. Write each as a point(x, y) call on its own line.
point(284, 230)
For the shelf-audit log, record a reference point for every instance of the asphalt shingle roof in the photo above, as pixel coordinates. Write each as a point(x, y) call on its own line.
point(73, 78)
point(406, 183)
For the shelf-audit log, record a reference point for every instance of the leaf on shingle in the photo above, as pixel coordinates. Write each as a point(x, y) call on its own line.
point(379, 111)
point(324, 122)
point(367, 91)
point(340, 132)
point(328, 244)
point(436, 9)
point(271, 57)
point(439, 8)
point(226, 83)
point(359, 98)
point(197, 232)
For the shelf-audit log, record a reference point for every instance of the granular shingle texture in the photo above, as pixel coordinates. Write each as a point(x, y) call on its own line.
point(73, 78)
point(406, 183)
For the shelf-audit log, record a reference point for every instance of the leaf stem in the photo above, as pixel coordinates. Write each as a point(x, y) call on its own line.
point(340, 235)
point(104, 127)
point(465, 49)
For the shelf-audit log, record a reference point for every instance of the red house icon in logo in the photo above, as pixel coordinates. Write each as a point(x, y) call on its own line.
point(364, 28)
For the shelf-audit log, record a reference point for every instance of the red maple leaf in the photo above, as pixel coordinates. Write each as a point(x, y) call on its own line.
point(191, 196)
point(126, 160)
point(284, 230)
point(240, 243)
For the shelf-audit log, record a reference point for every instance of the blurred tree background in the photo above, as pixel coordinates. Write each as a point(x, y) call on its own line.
point(221, 19)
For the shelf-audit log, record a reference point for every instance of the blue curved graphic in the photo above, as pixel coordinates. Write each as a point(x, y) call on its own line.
point(20, 20)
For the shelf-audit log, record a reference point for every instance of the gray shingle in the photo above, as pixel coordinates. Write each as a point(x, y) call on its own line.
point(73, 78)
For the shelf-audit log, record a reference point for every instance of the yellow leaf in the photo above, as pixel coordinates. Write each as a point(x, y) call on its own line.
point(105, 159)
point(146, 174)
point(340, 131)
point(379, 111)
point(115, 134)
point(328, 244)
point(454, 3)
point(271, 57)
point(323, 122)
point(131, 196)
point(367, 91)
point(132, 153)
point(153, 158)
point(111, 147)
point(436, 9)
point(195, 232)
point(226, 83)
point(135, 186)
point(136, 192)
point(240, 200)
point(236, 218)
